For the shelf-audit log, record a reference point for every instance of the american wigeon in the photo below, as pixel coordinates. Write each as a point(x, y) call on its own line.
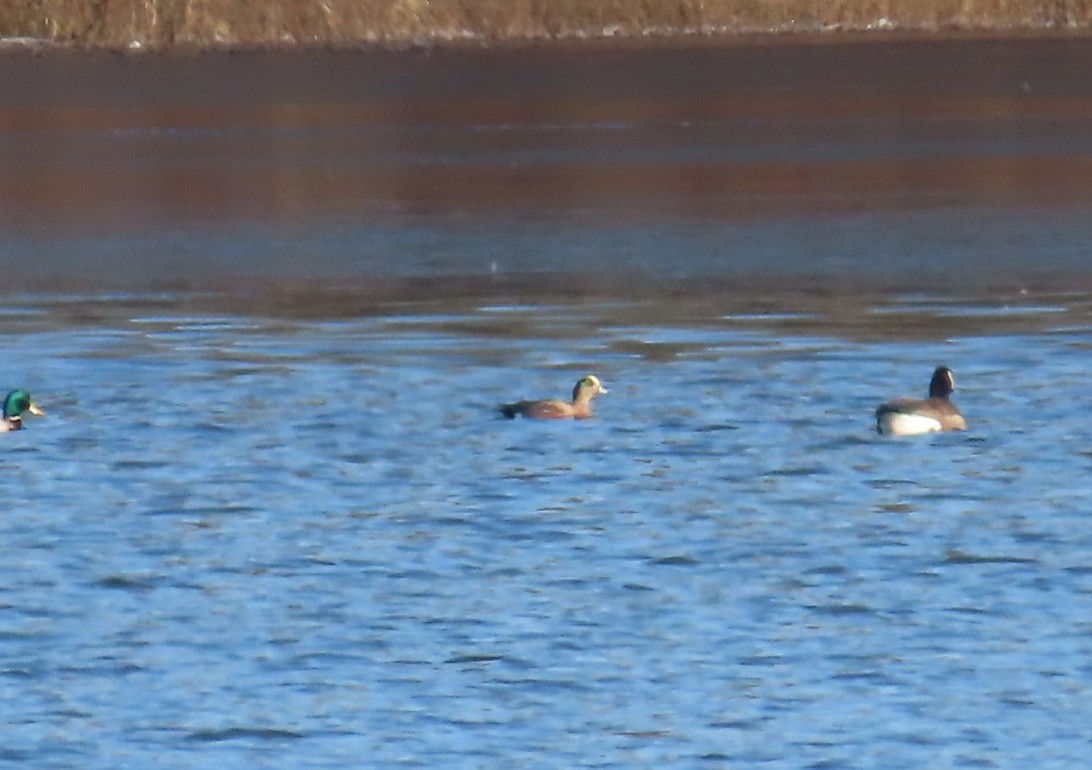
point(555, 409)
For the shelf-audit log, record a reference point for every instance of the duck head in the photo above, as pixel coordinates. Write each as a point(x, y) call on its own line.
point(18, 402)
point(587, 387)
point(942, 384)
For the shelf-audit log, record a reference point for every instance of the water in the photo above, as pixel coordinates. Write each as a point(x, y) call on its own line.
point(258, 542)
point(273, 518)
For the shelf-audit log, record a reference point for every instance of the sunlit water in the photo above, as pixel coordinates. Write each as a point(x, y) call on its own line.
point(271, 302)
point(243, 542)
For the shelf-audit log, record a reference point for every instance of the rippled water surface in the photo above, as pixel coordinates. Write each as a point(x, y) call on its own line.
point(274, 519)
point(237, 540)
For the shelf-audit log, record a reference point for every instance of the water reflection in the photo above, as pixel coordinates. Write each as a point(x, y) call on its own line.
point(470, 166)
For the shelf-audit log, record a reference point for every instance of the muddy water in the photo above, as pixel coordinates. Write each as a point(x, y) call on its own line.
point(918, 162)
point(270, 303)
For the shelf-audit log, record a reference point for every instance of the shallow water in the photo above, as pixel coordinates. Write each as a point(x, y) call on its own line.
point(273, 517)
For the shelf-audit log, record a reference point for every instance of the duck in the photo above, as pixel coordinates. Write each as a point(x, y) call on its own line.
point(579, 408)
point(914, 416)
point(16, 403)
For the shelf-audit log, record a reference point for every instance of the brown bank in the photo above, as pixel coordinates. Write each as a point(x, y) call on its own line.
point(213, 23)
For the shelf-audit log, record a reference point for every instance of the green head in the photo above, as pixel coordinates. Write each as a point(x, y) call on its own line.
point(588, 387)
point(17, 402)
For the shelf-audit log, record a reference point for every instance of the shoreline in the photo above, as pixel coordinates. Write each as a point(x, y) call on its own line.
point(743, 38)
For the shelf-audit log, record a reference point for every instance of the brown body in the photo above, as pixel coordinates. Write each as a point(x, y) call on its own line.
point(907, 416)
point(555, 409)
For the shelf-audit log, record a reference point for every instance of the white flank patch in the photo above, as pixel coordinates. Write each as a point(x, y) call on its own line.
point(903, 424)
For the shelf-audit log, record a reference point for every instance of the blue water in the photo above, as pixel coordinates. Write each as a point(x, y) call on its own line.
point(273, 518)
point(245, 541)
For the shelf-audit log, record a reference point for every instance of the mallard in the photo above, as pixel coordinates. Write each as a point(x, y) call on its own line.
point(17, 402)
point(912, 416)
point(555, 409)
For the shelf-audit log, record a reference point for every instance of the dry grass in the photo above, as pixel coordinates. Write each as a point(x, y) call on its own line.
point(341, 22)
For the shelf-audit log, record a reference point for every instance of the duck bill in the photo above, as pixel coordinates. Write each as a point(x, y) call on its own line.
point(36, 410)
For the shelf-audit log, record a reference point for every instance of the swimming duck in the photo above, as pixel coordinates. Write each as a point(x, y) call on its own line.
point(555, 409)
point(912, 416)
point(17, 402)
